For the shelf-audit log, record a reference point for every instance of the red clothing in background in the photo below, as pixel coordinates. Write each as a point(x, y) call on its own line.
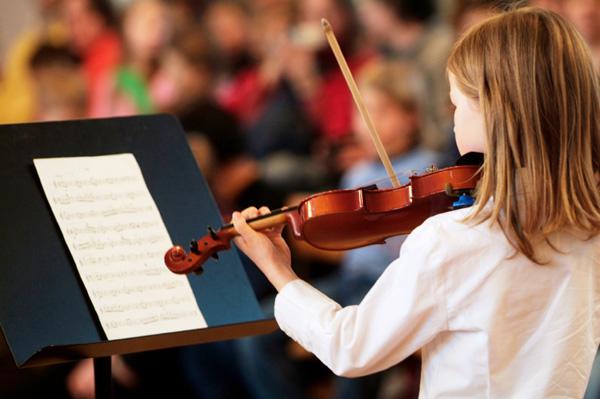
point(331, 108)
point(244, 96)
point(100, 59)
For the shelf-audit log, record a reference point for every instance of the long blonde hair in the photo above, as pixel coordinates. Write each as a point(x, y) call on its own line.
point(535, 83)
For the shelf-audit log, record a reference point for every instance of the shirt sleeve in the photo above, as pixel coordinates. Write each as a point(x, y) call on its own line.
point(403, 311)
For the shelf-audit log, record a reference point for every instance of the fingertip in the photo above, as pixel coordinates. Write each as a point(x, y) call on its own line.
point(250, 212)
point(238, 219)
point(263, 210)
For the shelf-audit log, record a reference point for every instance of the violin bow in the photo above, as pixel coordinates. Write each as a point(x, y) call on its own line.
point(358, 100)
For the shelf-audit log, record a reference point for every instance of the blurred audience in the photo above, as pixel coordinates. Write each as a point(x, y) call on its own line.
point(93, 35)
point(268, 115)
point(130, 87)
point(227, 27)
point(410, 30)
point(17, 87)
point(186, 75)
point(59, 84)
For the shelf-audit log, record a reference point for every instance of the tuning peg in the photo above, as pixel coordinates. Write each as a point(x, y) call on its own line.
point(194, 247)
point(212, 233)
point(215, 256)
point(199, 271)
point(432, 168)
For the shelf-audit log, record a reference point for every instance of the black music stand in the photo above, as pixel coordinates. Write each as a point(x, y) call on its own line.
point(45, 314)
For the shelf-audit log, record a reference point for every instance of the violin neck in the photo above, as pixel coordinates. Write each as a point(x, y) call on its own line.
point(275, 218)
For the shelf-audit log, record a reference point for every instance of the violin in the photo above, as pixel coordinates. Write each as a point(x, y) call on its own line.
point(346, 219)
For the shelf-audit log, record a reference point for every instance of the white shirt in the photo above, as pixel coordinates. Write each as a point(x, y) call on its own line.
point(489, 325)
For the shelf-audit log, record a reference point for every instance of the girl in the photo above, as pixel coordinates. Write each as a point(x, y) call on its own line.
point(503, 298)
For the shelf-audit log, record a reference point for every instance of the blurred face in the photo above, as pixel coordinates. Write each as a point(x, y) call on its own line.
point(585, 14)
point(47, 5)
point(84, 25)
point(395, 124)
point(147, 29)
point(268, 30)
point(472, 17)
point(178, 83)
point(311, 12)
point(377, 19)
point(228, 27)
point(469, 126)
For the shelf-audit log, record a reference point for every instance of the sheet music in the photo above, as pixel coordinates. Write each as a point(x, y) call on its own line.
point(117, 239)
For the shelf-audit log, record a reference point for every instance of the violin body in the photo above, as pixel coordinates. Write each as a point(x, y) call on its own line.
point(346, 219)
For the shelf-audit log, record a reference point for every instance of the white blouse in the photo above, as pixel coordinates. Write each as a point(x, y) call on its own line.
point(490, 322)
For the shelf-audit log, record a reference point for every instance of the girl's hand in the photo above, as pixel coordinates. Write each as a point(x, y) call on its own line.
point(266, 248)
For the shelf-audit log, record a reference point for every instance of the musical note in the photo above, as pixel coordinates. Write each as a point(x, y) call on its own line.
point(92, 260)
point(89, 196)
point(138, 289)
point(125, 307)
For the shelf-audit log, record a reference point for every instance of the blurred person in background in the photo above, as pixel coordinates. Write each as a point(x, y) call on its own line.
point(227, 27)
point(467, 13)
point(186, 80)
point(184, 14)
point(295, 98)
point(276, 128)
point(269, 115)
point(272, 119)
point(312, 69)
point(585, 15)
point(17, 89)
point(147, 32)
point(316, 78)
point(185, 76)
point(60, 84)
point(554, 5)
point(410, 30)
point(93, 36)
point(393, 93)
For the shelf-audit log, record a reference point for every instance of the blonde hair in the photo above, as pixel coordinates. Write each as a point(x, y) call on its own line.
point(534, 80)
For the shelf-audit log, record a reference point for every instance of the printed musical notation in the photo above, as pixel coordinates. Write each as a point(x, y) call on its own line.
point(125, 307)
point(116, 237)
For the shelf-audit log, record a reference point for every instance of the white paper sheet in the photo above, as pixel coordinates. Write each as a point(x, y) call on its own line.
point(117, 239)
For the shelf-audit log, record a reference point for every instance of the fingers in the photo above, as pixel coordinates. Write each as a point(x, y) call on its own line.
point(271, 231)
point(239, 221)
point(241, 226)
point(264, 210)
point(250, 213)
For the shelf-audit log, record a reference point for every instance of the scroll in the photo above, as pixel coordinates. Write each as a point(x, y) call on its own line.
point(116, 237)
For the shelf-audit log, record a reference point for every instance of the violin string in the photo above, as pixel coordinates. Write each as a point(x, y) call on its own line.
point(401, 174)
